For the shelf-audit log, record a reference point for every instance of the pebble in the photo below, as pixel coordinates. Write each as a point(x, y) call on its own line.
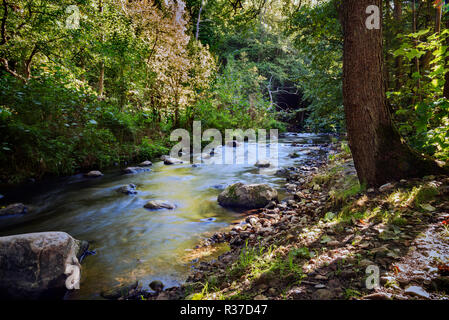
point(417, 292)
point(323, 294)
point(366, 263)
point(378, 296)
point(386, 187)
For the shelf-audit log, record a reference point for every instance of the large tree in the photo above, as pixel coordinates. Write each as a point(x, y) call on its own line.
point(380, 154)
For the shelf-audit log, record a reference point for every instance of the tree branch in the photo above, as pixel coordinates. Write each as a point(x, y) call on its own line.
point(28, 62)
point(3, 27)
point(5, 64)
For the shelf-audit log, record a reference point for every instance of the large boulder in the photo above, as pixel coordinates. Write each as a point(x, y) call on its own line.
point(13, 209)
point(32, 265)
point(247, 196)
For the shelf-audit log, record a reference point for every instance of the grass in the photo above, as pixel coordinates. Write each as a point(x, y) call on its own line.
point(351, 293)
point(200, 295)
point(284, 263)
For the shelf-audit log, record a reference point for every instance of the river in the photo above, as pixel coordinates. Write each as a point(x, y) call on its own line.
point(130, 241)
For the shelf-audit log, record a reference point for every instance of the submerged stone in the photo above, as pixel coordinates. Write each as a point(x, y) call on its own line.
point(14, 209)
point(159, 204)
point(128, 189)
point(121, 291)
point(134, 170)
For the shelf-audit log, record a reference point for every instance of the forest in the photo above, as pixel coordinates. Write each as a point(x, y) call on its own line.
point(358, 91)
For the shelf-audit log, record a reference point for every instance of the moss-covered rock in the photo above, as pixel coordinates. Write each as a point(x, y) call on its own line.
point(247, 196)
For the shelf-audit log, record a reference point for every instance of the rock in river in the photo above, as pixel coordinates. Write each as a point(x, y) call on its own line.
point(145, 164)
point(93, 174)
point(133, 170)
point(13, 209)
point(262, 164)
point(293, 155)
point(170, 161)
point(128, 189)
point(247, 196)
point(159, 204)
point(233, 144)
point(32, 265)
point(156, 285)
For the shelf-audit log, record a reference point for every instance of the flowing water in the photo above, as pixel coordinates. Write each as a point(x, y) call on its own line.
point(130, 241)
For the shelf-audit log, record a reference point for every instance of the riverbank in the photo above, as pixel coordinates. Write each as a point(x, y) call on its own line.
point(16, 175)
point(325, 240)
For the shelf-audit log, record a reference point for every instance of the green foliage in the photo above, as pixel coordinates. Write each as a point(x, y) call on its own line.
point(247, 257)
point(303, 252)
point(422, 114)
point(54, 119)
point(318, 37)
point(151, 149)
point(48, 126)
point(236, 99)
point(351, 293)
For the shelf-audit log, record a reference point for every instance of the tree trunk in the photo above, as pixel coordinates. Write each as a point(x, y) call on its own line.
point(398, 22)
point(197, 34)
point(378, 151)
point(101, 77)
point(101, 80)
point(446, 76)
point(438, 19)
point(414, 22)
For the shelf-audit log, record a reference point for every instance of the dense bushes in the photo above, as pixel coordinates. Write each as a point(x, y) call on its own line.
point(49, 126)
point(237, 100)
point(111, 90)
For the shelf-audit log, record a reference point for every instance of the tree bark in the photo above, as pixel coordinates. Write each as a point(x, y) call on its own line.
point(197, 34)
point(378, 151)
point(446, 76)
point(398, 61)
point(414, 22)
point(101, 77)
point(438, 19)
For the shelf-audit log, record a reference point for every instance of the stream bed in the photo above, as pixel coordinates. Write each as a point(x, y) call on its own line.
point(131, 242)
